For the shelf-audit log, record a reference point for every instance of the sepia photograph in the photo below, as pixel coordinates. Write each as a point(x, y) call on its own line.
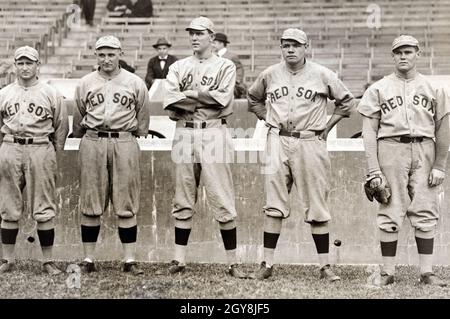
point(224, 158)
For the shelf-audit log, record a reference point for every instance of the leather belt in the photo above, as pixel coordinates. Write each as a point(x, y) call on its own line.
point(406, 139)
point(23, 140)
point(108, 134)
point(200, 124)
point(411, 139)
point(304, 134)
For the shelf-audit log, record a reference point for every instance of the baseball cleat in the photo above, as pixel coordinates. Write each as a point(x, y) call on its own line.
point(234, 271)
point(87, 266)
point(50, 268)
point(176, 267)
point(264, 272)
point(6, 266)
point(328, 274)
point(133, 268)
point(386, 279)
point(429, 278)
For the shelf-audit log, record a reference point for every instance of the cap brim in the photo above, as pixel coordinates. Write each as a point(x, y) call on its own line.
point(196, 29)
point(24, 55)
point(293, 39)
point(107, 46)
point(166, 44)
point(405, 45)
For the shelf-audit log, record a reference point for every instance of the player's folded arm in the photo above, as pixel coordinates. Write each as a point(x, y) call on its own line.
point(186, 104)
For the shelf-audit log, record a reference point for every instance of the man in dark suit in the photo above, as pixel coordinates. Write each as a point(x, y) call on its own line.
point(158, 66)
point(220, 48)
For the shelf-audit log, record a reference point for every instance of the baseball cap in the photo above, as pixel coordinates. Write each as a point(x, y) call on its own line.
point(109, 41)
point(295, 34)
point(200, 24)
point(405, 40)
point(28, 52)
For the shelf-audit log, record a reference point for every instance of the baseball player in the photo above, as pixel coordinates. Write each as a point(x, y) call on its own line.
point(33, 127)
point(402, 114)
point(199, 97)
point(291, 97)
point(112, 109)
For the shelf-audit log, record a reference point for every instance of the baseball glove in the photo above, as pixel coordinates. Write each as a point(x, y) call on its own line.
point(381, 192)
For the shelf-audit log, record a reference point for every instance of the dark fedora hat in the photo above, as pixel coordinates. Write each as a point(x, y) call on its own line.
point(221, 37)
point(162, 41)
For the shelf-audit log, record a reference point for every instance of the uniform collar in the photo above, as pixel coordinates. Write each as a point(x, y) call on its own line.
point(400, 77)
point(109, 77)
point(296, 71)
point(28, 86)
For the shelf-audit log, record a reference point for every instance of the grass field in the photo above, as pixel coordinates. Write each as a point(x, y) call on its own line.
point(210, 281)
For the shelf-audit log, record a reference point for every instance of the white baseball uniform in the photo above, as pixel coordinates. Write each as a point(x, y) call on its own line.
point(408, 110)
point(203, 127)
point(294, 105)
point(33, 124)
point(109, 114)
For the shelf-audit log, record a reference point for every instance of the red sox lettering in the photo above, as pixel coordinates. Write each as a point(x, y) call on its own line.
point(93, 100)
point(389, 104)
point(283, 91)
point(40, 111)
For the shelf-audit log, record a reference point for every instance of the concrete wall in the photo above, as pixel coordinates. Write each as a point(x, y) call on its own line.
point(353, 219)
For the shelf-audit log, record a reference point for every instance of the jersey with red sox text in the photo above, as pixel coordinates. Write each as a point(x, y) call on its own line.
point(215, 76)
point(34, 111)
point(404, 106)
point(120, 104)
point(297, 101)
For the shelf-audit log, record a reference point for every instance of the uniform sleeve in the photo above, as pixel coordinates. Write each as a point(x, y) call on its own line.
point(256, 97)
point(224, 93)
point(442, 143)
point(442, 104)
point(370, 132)
point(142, 109)
point(79, 111)
point(60, 124)
point(172, 87)
point(344, 99)
point(369, 104)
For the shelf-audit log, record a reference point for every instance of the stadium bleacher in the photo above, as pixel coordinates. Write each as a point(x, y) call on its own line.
point(338, 30)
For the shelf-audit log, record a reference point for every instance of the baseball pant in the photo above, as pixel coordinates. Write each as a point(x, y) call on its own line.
point(407, 167)
point(33, 166)
point(301, 161)
point(109, 171)
point(203, 154)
